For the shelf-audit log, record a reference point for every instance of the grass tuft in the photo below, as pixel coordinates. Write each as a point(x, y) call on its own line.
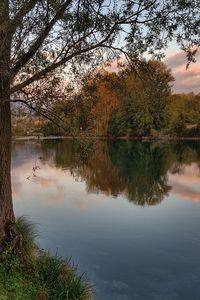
point(28, 233)
point(59, 279)
point(38, 275)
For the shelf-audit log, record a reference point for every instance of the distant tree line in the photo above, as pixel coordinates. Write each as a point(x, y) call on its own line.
point(137, 101)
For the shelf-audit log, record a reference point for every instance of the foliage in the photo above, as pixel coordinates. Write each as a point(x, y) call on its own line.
point(35, 274)
point(129, 103)
point(58, 279)
point(179, 125)
point(49, 277)
point(26, 124)
point(49, 129)
point(42, 32)
point(186, 104)
point(144, 96)
point(14, 283)
point(131, 118)
point(46, 42)
point(186, 131)
point(28, 233)
point(105, 99)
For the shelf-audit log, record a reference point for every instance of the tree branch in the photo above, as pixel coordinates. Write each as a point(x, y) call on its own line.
point(43, 114)
point(129, 20)
point(56, 65)
point(39, 41)
point(14, 23)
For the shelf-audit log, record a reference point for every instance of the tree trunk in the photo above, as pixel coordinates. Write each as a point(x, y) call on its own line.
point(6, 206)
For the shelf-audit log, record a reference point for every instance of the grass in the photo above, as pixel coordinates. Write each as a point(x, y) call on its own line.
point(35, 274)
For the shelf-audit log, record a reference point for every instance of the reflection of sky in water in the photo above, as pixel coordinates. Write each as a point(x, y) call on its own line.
point(186, 186)
point(128, 251)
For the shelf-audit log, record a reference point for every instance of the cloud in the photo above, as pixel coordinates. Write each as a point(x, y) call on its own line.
point(185, 185)
point(185, 80)
point(186, 193)
point(55, 199)
point(178, 59)
point(81, 204)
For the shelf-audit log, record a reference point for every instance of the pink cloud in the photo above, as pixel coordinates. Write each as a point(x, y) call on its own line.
point(57, 199)
point(186, 193)
point(185, 80)
point(81, 204)
point(178, 59)
point(185, 185)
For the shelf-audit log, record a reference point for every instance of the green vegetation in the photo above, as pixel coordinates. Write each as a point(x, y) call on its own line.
point(29, 273)
point(184, 115)
point(136, 102)
point(25, 125)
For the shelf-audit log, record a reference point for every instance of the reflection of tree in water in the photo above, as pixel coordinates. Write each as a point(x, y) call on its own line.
point(138, 170)
point(186, 153)
point(142, 167)
point(89, 161)
point(100, 174)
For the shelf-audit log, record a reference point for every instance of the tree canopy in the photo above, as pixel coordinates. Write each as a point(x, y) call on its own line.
point(131, 102)
point(55, 36)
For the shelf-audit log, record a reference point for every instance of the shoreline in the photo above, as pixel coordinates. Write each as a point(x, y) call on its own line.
point(161, 138)
point(28, 272)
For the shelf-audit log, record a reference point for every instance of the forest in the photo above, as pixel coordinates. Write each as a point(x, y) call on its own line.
point(133, 103)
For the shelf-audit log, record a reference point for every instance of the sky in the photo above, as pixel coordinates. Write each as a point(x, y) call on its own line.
point(185, 80)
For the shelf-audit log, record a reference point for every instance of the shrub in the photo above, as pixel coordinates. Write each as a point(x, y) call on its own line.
point(27, 232)
point(154, 134)
point(178, 126)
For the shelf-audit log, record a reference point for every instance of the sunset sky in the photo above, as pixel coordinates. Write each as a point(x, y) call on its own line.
point(185, 80)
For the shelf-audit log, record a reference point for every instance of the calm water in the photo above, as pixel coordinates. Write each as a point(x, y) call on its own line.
point(128, 213)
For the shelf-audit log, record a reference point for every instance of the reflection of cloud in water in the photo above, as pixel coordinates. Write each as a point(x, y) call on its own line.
point(85, 201)
point(15, 194)
point(185, 185)
point(110, 236)
point(185, 192)
point(138, 172)
point(81, 204)
point(49, 179)
point(123, 297)
point(53, 182)
point(16, 187)
point(55, 199)
point(44, 182)
point(119, 285)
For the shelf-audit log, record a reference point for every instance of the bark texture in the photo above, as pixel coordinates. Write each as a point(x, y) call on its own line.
point(6, 206)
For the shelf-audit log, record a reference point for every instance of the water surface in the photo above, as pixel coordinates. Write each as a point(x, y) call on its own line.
point(128, 213)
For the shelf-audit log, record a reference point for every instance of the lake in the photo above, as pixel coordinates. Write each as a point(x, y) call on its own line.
point(127, 213)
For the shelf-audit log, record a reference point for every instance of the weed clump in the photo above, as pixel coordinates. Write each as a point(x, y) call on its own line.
point(36, 274)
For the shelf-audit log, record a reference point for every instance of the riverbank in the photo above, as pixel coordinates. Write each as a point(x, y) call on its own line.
point(30, 273)
point(143, 138)
point(45, 277)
